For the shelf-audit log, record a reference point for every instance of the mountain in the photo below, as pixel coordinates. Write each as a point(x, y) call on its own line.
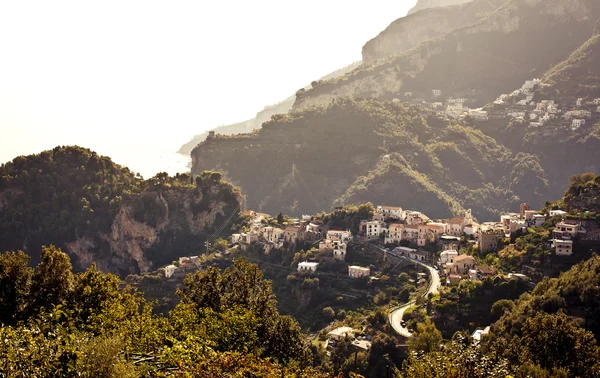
point(577, 76)
point(426, 4)
point(352, 151)
point(263, 116)
point(98, 211)
point(516, 42)
point(416, 28)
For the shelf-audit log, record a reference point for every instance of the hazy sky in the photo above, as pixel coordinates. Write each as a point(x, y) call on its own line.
point(136, 79)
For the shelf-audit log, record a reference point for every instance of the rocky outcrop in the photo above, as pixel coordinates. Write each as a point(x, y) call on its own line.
point(414, 29)
point(426, 4)
point(516, 42)
point(133, 234)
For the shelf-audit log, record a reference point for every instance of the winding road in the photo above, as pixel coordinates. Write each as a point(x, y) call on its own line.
point(395, 316)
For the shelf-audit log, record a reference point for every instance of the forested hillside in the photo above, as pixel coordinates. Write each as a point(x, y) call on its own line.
point(100, 212)
point(354, 151)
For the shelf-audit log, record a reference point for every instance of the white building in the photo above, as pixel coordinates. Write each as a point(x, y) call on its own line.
point(169, 270)
point(577, 123)
point(371, 229)
point(341, 332)
point(343, 236)
point(390, 212)
point(478, 114)
point(306, 266)
point(563, 247)
point(561, 213)
point(436, 92)
point(235, 238)
point(358, 271)
point(448, 256)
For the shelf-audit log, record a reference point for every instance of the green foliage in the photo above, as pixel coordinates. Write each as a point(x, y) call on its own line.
point(426, 338)
point(85, 325)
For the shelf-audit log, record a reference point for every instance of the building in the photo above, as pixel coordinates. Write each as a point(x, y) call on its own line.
point(577, 123)
point(235, 238)
point(390, 212)
point(563, 247)
point(480, 333)
point(561, 213)
point(169, 270)
point(306, 266)
point(358, 271)
point(371, 229)
point(272, 234)
point(488, 239)
point(436, 92)
point(415, 218)
point(395, 231)
point(339, 333)
point(478, 114)
point(343, 236)
point(565, 231)
point(453, 279)
point(293, 234)
point(448, 257)
point(463, 263)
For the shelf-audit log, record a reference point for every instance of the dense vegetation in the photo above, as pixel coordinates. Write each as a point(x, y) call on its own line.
point(354, 151)
point(99, 211)
point(56, 323)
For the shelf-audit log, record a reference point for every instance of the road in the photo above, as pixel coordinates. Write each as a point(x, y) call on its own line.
point(395, 316)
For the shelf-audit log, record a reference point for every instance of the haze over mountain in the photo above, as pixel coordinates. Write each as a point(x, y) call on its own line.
point(136, 80)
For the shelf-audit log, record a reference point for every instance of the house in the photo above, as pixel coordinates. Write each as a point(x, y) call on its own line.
point(169, 270)
point(480, 333)
point(343, 236)
point(437, 105)
point(478, 114)
point(415, 217)
point(411, 233)
point(488, 239)
point(561, 213)
point(436, 92)
point(528, 214)
point(306, 266)
point(538, 220)
point(518, 277)
point(596, 101)
point(480, 272)
point(390, 212)
point(463, 263)
point(316, 226)
point(563, 247)
point(448, 257)
point(579, 102)
point(455, 110)
point(339, 333)
point(408, 94)
point(358, 271)
point(293, 234)
point(453, 279)
point(577, 123)
point(395, 232)
point(371, 229)
point(183, 261)
point(471, 229)
point(235, 238)
point(272, 234)
point(419, 255)
point(404, 251)
point(565, 230)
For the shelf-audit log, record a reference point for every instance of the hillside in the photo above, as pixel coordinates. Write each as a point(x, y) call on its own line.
point(426, 4)
point(416, 28)
point(576, 77)
point(263, 116)
point(516, 42)
point(98, 211)
point(351, 151)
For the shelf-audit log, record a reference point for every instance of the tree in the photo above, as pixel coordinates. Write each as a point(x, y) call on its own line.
point(426, 338)
point(328, 313)
point(52, 280)
point(500, 307)
point(280, 218)
point(15, 280)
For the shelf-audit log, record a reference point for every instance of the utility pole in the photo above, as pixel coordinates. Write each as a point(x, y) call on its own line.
point(208, 244)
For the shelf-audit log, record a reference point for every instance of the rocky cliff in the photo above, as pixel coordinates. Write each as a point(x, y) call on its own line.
point(427, 4)
point(99, 212)
point(516, 42)
point(416, 28)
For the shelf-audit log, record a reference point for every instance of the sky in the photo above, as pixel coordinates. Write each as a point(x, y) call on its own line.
point(135, 80)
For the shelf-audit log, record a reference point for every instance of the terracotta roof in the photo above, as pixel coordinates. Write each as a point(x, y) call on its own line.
point(456, 220)
point(484, 270)
point(396, 225)
point(293, 228)
point(463, 257)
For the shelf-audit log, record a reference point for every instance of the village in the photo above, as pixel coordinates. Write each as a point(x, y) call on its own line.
point(519, 108)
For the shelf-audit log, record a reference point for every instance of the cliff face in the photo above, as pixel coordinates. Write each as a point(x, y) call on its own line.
point(141, 239)
point(416, 28)
point(516, 42)
point(426, 4)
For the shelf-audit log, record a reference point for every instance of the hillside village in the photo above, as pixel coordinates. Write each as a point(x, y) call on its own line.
point(409, 234)
point(519, 108)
